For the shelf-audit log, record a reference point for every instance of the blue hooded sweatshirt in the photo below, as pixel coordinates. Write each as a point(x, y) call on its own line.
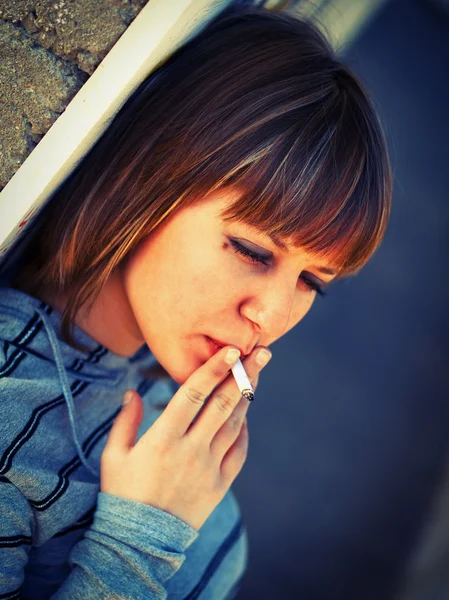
point(60, 537)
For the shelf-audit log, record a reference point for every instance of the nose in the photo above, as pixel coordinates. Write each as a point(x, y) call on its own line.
point(273, 306)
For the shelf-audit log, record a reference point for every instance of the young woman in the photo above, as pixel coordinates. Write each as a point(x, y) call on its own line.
point(240, 179)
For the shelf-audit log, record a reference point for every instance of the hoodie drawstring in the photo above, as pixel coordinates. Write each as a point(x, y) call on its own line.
point(65, 387)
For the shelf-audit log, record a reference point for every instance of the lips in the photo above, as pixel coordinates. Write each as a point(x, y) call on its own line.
point(221, 344)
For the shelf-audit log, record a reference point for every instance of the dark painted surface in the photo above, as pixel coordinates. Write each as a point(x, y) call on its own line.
point(351, 423)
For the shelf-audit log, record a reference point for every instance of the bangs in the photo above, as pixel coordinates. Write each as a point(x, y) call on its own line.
point(324, 186)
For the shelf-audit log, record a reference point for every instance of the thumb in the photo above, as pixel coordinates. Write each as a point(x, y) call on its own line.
point(125, 427)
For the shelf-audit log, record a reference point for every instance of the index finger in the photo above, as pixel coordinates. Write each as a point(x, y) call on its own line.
point(191, 396)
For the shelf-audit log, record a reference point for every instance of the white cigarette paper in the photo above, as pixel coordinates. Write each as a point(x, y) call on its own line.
point(241, 378)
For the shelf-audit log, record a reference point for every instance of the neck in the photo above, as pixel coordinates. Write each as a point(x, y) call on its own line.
point(110, 321)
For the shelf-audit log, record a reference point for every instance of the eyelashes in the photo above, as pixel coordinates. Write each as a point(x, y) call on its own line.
point(257, 258)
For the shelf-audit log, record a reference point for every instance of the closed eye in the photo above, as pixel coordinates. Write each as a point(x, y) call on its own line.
point(254, 257)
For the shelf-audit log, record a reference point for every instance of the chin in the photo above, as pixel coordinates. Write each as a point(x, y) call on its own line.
point(176, 376)
point(182, 372)
point(179, 375)
point(178, 365)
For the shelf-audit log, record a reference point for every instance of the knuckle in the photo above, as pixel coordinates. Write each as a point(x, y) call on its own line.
point(235, 423)
point(194, 396)
point(224, 402)
point(194, 453)
point(161, 444)
point(219, 370)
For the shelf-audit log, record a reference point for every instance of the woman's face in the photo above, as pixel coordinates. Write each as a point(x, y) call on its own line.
point(186, 283)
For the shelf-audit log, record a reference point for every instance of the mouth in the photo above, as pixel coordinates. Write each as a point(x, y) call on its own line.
point(216, 345)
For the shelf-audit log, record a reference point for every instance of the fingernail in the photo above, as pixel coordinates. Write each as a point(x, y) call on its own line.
point(263, 357)
point(231, 356)
point(127, 397)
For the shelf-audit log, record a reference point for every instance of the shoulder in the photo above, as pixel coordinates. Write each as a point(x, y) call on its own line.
point(23, 404)
point(19, 325)
point(28, 386)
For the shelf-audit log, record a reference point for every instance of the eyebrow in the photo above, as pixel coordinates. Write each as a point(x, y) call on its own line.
point(277, 242)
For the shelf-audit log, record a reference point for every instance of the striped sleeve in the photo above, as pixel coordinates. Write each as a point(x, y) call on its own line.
point(15, 538)
point(130, 550)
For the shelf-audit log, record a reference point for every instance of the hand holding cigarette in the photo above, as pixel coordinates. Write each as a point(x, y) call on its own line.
point(182, 465)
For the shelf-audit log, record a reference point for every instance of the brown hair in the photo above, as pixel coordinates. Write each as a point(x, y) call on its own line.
point(257, 100)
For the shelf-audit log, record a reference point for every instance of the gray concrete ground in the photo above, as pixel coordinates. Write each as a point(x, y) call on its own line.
point(350, 430)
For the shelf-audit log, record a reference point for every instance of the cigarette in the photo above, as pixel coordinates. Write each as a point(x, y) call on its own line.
point(242, 381)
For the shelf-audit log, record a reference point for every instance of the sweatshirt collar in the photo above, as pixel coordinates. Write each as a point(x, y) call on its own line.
point(98, 361)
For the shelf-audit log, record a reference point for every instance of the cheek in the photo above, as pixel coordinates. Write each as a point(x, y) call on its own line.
point(179, 284)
